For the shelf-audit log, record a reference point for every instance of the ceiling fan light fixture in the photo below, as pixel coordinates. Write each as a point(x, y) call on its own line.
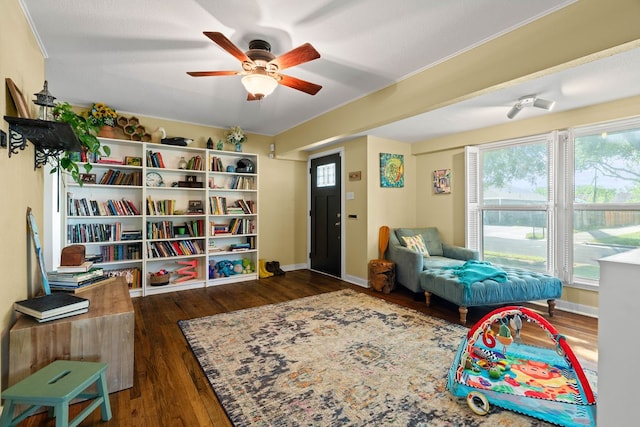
point(544, 103)
point(514, 110)
point(530, 101)
point(259, 85)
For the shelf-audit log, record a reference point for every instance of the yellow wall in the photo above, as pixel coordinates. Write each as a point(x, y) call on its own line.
point(393, 207)
point(444, 211)
point(355, 160)
point(21, 186)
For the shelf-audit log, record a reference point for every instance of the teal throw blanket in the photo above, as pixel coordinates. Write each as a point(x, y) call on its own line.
point(477, 271)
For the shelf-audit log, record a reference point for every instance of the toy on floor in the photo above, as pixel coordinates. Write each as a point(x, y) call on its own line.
point(498, 368)
point(226, 268)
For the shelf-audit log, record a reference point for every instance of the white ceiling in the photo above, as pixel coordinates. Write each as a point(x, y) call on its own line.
point(134, 55)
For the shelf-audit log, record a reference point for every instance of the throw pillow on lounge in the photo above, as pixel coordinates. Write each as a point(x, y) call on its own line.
point(410, 263)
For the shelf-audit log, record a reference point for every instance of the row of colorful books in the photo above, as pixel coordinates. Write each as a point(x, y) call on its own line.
point(111, 207)
point(116, 177)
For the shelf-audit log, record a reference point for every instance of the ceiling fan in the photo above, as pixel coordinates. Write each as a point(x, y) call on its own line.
point(530, 101)
point(261, 69)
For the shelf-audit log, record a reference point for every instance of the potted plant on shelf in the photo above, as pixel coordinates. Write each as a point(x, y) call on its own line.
point(102, 116)
point(86, 130)
point(236, 137)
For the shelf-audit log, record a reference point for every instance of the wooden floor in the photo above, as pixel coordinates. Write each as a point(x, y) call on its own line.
point(169, 386)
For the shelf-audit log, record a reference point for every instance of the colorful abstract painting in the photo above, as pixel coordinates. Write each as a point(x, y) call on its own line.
point(391, 170)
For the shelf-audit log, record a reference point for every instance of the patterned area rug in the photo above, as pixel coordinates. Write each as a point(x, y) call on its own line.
point(337, 359)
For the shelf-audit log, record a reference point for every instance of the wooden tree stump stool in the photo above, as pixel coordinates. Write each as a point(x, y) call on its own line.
point(55, 386)
point(382, 275)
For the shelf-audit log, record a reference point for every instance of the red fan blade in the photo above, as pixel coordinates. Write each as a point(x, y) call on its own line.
point(228, 45)
point(252, 97)
point(299, 55)
point(212, 73)
point(302, 85)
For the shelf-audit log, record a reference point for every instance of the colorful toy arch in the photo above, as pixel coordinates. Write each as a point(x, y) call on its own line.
point(497, 368)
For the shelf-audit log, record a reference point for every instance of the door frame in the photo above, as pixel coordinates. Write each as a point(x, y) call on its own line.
point(339, 151)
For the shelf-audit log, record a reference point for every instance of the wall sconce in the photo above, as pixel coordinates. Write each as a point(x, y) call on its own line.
point(272, 150)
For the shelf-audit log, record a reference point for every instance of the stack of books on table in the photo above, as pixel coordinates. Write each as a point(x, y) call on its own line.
point(60, 280)
point(53, 306)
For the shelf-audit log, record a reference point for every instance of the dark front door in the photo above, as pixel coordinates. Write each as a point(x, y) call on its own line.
point(325, 215)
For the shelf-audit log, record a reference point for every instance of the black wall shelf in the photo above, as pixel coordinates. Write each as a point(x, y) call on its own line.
point(49, 138)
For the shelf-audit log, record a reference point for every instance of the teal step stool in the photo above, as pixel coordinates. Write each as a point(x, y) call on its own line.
point(55, 386)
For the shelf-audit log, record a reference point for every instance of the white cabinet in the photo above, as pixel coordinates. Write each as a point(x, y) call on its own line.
point(619, 304)
point(156, 207)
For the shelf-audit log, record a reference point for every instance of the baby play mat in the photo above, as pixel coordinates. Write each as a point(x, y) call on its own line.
point(494, 367)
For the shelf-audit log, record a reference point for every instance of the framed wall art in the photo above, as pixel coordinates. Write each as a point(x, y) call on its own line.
point(442, 181)
point(391, 170)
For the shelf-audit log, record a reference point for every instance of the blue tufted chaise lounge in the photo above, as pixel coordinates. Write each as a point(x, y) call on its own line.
point(432, 275)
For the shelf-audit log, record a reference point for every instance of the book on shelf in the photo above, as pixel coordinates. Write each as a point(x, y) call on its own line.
point(83, 287)
point(195, 163)
point(82, 268)
point(154, 160)
point(56, 276)
point(131, 235)
point(116, 177)
point(110, 161)
point(46, 307)
point(216, 164)
point(237, 247)
point(61, 284)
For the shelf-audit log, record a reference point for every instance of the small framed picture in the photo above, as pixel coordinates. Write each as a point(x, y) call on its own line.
point(442, 181)
point(133, 161)
point(88, 178)
point(195, 206)
point(191, 178)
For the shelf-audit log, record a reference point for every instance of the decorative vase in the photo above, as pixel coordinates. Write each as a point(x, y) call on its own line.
point(182, 164)
point(220, 145)
point(106, 132)
point(238, 147)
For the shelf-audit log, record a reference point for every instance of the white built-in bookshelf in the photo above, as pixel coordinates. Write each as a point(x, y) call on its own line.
point(154, 207)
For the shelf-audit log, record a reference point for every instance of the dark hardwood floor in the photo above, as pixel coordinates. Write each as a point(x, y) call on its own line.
point(169, 386)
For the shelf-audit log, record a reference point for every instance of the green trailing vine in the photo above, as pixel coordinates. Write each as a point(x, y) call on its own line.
point(87, 132)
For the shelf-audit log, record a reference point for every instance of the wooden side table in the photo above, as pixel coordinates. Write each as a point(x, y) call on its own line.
point(382, 275)
point(104, 334)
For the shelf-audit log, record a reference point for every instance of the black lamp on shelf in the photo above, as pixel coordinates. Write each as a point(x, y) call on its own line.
point(48, 137)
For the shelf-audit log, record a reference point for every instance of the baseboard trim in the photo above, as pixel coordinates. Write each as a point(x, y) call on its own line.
point(572, 307)
point(357, 281)
point(292, 267)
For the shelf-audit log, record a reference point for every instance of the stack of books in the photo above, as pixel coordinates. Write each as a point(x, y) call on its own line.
point(67, 279)
point(53, 306)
